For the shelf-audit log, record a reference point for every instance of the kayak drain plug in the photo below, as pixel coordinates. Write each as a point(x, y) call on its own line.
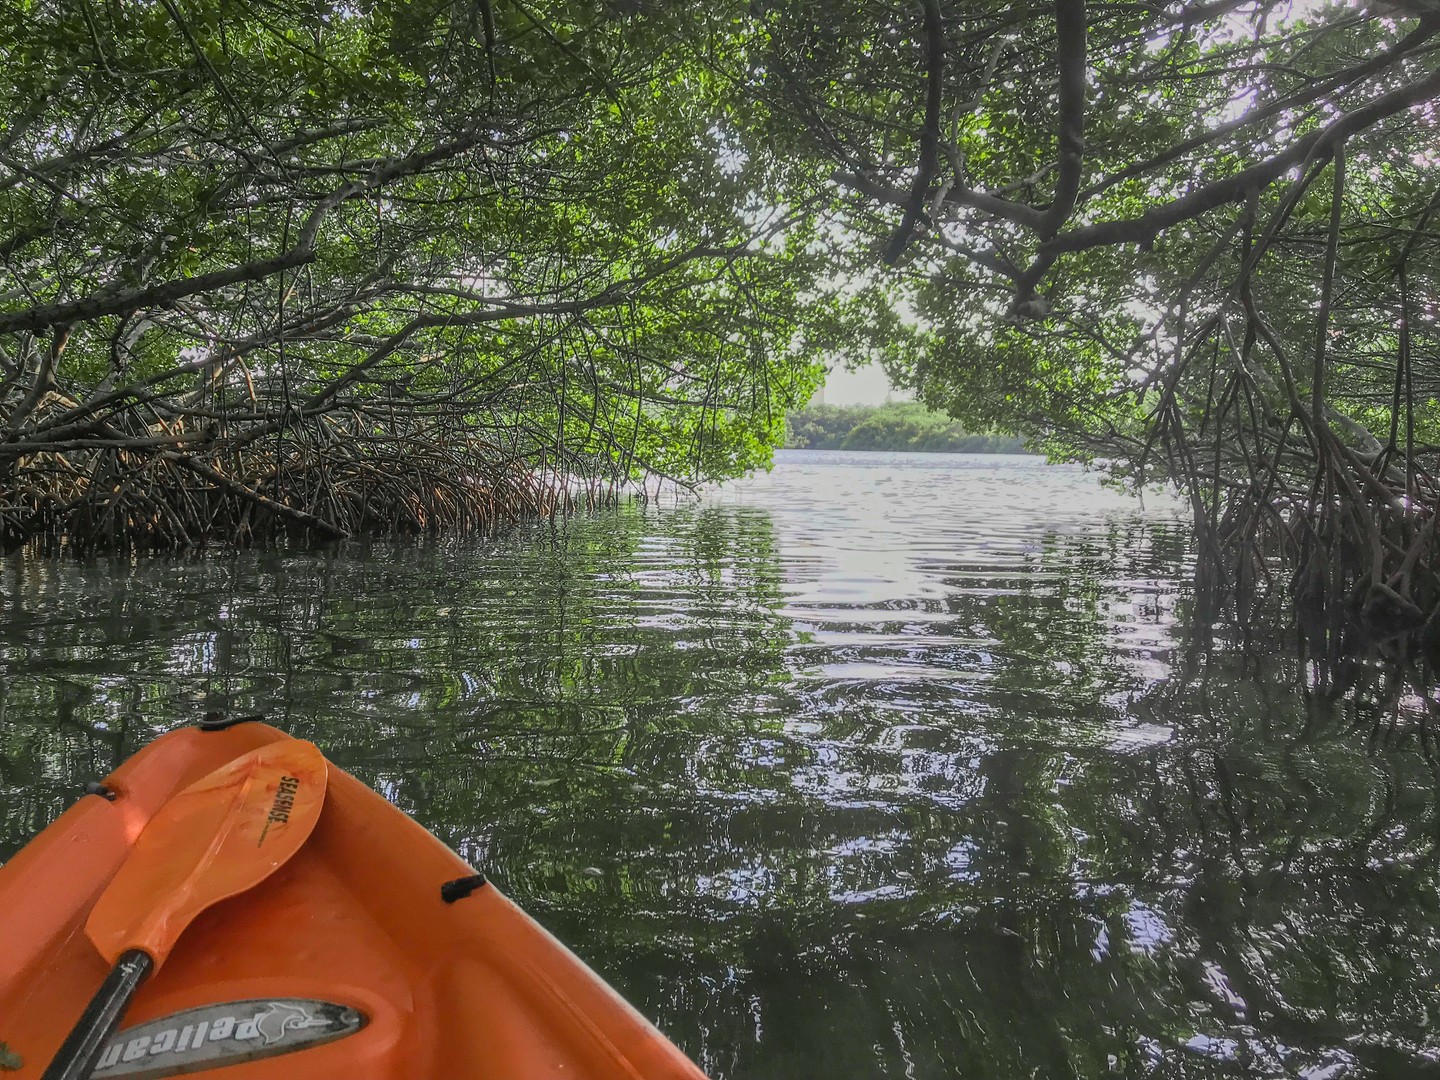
point(461, 887)
point(94, 787)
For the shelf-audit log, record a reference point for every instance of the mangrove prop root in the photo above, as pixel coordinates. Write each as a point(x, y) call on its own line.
point(343, 481)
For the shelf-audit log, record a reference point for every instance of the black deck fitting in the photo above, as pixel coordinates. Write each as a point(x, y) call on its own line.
point(218, 721)
point(94, 787)
point(461, 887)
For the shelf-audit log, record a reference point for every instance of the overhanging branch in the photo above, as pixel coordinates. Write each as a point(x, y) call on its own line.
point(929, 135)
point(1317, 145)
point(1070, 35)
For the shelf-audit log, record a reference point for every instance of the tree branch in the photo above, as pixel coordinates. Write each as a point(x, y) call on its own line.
point(929, 135)
point(116, 299)
point(1317, 144)
point(1070, 34)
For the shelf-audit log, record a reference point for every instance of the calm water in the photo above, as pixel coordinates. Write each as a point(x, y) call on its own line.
point(878, 766)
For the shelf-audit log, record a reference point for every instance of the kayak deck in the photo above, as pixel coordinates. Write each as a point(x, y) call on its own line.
point(356, 920)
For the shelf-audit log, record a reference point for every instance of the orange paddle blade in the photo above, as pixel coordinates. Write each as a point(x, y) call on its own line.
point(222, 835)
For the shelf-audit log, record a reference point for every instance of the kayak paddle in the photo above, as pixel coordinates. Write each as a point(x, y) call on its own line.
point(222, 835)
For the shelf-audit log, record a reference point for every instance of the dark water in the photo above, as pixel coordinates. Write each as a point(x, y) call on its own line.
point(875, 767)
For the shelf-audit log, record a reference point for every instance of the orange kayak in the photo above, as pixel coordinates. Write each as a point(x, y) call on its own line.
point(375, 952)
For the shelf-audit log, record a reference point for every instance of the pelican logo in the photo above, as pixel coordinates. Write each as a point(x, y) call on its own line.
point(225, 1034)
point(283, 1017)
point(281, 807)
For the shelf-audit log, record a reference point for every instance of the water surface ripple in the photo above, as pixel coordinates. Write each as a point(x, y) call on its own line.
point(876, 766)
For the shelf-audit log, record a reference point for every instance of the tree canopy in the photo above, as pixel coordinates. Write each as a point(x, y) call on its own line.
point(1193, 240)
point(302, 250)
point(409, 265)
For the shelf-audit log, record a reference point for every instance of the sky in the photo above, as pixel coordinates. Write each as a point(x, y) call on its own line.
point(867, 386)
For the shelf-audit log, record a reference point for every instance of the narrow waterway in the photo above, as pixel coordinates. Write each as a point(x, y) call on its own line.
point(876, 766)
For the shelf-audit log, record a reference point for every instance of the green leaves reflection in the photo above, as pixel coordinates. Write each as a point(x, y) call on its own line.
point(1014, 827)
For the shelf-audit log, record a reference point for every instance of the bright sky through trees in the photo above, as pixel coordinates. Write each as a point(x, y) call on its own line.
point(868, 385)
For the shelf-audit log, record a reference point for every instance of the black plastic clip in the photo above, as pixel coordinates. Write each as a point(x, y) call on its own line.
point(94, 787)
point(461, 887)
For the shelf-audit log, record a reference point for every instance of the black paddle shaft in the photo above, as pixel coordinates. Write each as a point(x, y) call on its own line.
point(76, 1058)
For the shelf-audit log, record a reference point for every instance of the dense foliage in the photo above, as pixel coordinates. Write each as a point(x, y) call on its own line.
point(1194, 240)
point(896, 425)
point(335, 263)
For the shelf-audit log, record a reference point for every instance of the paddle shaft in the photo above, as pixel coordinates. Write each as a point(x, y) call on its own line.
point(76, 1058)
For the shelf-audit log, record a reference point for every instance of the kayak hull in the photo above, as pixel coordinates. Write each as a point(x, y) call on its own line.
point(356, 920)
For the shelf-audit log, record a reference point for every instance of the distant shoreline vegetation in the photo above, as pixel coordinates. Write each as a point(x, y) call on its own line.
point(896, 426)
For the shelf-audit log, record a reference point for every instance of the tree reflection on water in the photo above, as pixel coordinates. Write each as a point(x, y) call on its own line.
point(1003, 818)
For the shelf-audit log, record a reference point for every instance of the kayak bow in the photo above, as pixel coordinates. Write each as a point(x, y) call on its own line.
point(373, 951)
